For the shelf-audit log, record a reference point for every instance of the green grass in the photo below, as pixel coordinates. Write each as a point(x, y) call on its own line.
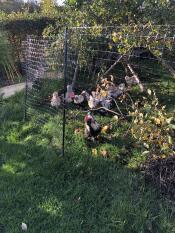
point(75, 193)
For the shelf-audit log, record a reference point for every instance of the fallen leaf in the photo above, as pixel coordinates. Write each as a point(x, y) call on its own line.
point(146, 145)
point(146, 152)
point(106, 129)
point(94, 152)
point(104, 153)
point(157, 121)
point(149, 92)
point(116, 118)
point(77, 131)
point(24, 227)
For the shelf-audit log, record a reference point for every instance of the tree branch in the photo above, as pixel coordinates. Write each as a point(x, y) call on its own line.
point(113, 65)
point(167, 66)
point(75, 73)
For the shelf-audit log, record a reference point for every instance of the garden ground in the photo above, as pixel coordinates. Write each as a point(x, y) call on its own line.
point(76, 193)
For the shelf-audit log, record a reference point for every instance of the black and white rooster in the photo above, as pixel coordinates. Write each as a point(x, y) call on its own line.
point(92, 128)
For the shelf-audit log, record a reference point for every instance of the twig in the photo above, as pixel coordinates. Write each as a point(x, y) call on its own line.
point(97, 109)
point(117, 106)
point(106, 109)
point(130, 98)
point(136, 77)
point(110, 68)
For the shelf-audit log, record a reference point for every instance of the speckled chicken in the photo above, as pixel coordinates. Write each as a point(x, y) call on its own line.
point(55, 101)
point(92, 128)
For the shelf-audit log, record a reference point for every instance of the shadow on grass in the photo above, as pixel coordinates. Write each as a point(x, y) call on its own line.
point(76, 193)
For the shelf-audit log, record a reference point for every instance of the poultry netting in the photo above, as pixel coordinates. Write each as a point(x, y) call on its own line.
point(9, 67)
point(43, 59)
point(87, 82)
point(108, 69)
point(44, 74)
point(110, 73)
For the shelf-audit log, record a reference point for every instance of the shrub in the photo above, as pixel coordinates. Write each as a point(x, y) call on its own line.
point(152, 127)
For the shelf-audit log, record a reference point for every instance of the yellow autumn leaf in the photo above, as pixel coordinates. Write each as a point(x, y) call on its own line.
point(106, 129)
point(163, 156)
point(104, 93)
point(104, 153)
point(146, 145)
point(146, 152)
point(155, 135)
point(170, 140)
point(94, 152)
point(135, 121)
point(141, 115)
point(165, 146)
point(149, 92)
point(168, 120)
point(157, 121)
point(154, 156)
point(116, 118)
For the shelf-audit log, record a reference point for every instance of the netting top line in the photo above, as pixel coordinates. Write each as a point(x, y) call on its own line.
point(147, 28)
point(41, 42)
point(121, 26)
point(141, 27)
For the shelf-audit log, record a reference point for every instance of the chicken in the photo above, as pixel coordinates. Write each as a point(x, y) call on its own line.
point(106, 103)
point(122, 87)
point(114, 91)
point(69, 94)
point(131, 80)
point(105, 82)
point(55, 101)
point(86, 95)
point(79, 99)
point(92, 128)
point(93, 102)
point(94, 94)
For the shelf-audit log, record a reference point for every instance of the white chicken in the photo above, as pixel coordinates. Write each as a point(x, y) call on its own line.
point(55, 101)
point(93, 102)
point(94, 94)
point(131, 80)
point(69, 94)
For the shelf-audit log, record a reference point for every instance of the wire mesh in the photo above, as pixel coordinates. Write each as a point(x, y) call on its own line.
point(44, 92)
point(96, 61)
point(9, 70)
point(102, 75)
point(93, 54)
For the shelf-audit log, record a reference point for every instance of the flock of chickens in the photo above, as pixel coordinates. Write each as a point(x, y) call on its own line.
point(106, 91)
point(101, 97)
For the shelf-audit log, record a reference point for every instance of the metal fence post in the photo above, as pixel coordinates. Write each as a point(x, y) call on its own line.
point(65, 88)
point(26, 79)
point(25, 100)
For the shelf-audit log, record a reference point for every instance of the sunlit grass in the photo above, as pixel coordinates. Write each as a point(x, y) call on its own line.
point(76, 193)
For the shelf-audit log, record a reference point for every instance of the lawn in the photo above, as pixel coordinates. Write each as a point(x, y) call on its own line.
point(76, 193)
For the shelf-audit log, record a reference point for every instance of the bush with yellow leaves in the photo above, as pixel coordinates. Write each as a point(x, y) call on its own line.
point(152, 127)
